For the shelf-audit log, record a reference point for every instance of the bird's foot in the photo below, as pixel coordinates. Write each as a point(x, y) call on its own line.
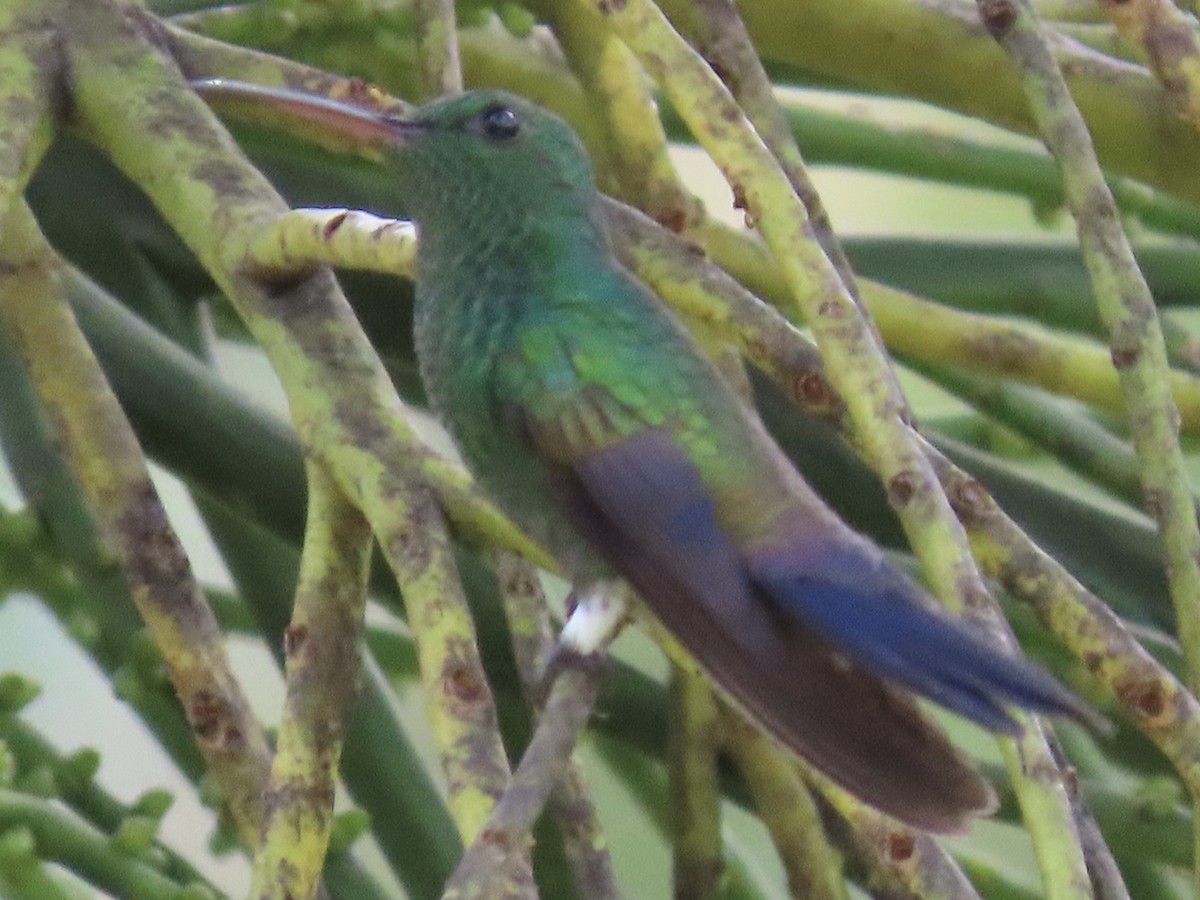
point(594, 618)
point(599, 611)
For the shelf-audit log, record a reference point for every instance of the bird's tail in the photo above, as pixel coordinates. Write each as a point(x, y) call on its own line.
point(870, 613)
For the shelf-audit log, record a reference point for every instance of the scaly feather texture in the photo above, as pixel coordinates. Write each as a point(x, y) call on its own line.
point(587, 411)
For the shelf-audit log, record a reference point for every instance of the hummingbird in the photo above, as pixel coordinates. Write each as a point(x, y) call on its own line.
point(583, 406)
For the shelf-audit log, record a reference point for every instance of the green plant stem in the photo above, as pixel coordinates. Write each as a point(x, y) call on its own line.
point(31, 63)
point(437, 48)
point(719, 34)
point(67, 839)
point(641, 171)
point(1125, 306)
point(783, 802)
point(265, 471)
point(849, 137)
point(1040, 278)
point(97, 610)
point(916, 327)
point(31, 878)
point(1137, 134)
point(380, 766)
point(695, 798)
point(896, 856)
point(1058, 428)
point(1162, 708)
point(1018, 350)
point(84, 797)
point(1168, 39)
point(646, 780)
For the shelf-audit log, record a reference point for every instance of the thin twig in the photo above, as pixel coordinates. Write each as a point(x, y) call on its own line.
point(1125, 306)
point(721, 37)
point(897, 855)
point(571, 800)
point(491, 866)
point(32, 62)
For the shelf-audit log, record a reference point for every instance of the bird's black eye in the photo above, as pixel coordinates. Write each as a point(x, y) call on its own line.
point(500, 123)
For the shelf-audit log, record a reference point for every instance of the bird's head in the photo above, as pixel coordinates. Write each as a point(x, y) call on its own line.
point(483, 154)
point(487, 160)
point(490, 145)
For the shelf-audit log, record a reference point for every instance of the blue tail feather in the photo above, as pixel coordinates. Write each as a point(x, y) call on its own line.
point(868, 613)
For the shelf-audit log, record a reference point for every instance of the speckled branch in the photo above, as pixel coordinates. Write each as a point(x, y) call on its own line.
point(872, 44)
point(642, 172)
point(1159, 28)
point(1016, 350)
point(897, 855)
point(721, 37)
point(321, 649)
point(1127, 309)
point(1059, 428)
point(1125, 306)
point(107, 462)
point(30, 66)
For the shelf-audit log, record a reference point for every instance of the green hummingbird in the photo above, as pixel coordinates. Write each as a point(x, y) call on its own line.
point(583, 406)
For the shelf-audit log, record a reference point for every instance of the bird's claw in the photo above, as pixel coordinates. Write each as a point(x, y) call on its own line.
point(594, 617)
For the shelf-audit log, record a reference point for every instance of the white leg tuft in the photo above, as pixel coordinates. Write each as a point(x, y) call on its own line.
point(600, 610)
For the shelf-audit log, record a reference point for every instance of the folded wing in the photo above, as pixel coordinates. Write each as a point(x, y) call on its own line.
point(642, 503)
